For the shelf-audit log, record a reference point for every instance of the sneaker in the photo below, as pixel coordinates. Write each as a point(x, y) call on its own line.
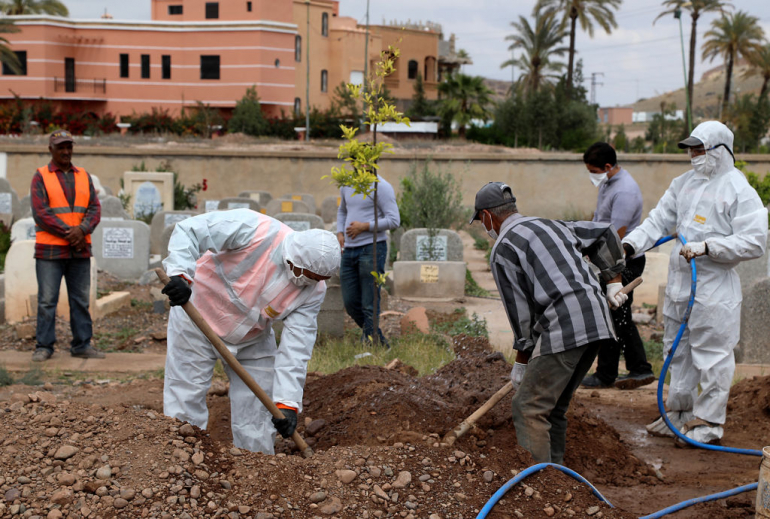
point(89, 353)
point(594, 382)
point(634, 380)
point(41, 355)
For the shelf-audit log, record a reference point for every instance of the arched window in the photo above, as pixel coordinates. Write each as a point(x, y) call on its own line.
point(324, 81)
point(325, 24)
point(412, 69)
point(298, 48)
point(297, 106)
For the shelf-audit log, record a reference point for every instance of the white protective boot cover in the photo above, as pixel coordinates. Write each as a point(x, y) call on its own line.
point(678, 419)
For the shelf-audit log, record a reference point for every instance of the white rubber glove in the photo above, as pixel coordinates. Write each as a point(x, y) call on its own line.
point(693, 249)
point(615, 298)
point(517, 374)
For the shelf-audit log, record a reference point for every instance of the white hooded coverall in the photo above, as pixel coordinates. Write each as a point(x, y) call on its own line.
point(237, 260)
point(722, 209)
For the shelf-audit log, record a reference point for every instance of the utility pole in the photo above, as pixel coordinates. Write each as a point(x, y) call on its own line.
point(307, 74)
point(513, 69)
point(688, 113)
point(594, 84)
point(366, 60)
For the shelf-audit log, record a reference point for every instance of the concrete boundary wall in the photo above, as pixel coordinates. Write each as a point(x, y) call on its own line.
point(553, 185)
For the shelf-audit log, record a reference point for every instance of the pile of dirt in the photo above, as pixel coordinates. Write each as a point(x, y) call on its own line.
point(748, 411)
point(61, 458)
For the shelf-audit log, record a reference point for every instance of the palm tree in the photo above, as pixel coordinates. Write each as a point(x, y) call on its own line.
point(540, 44)
point(7, 56)
point(464, 98)
point(732, 36)
point(587, 11)
point(16, 7)
point(696, 8)
point(759, 62)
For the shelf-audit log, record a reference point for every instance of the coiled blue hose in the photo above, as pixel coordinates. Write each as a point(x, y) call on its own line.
point(671, 509)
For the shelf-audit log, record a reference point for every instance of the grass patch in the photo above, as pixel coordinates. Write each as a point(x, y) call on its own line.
point(479, 241)
point(5, 377)
point(110, 341)
point(474, 325)
point(472, 288)
point(142, 305)
point(426, 353)
point(33, 377)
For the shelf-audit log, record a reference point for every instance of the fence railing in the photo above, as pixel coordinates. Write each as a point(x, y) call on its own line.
point(95, 86)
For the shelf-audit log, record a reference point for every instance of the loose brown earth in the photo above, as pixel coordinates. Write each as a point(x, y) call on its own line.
point(380, 427)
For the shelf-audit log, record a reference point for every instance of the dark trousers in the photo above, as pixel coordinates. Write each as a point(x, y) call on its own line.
point(358, 286)
point(541, 402)
point(77, 276)
point(629, 342)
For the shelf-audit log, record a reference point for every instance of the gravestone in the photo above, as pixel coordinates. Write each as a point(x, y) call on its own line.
point(418, 245)
point(287, 206)
point(752, 271)
point(23, 229)
point(112, 209)
point(21, 285)
point(26, 207)
point(302, 197)
point(122, 248)
point(754, 347)
point(210, 205)
point(150, 192)
point(429, 279)
point(10, 207)
point(262, 197)
point(237, 202)
point(165, 237)
point(329, 208)
point(162, 220)
point(98, 188)
point(300, 221)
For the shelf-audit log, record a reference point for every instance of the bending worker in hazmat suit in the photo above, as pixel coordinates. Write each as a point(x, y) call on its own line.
point(242, 270)
point(724, 222)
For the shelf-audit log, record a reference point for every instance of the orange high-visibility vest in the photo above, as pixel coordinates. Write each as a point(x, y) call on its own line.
point(58, 203)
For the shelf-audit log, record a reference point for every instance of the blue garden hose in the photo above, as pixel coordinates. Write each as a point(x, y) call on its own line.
point(671, 509)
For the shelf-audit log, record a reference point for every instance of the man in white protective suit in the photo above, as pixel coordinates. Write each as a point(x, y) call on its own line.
point(243, 270)
point(724, 222)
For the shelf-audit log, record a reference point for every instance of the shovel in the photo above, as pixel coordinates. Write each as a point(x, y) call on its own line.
point(211, 335)
point(470, 422)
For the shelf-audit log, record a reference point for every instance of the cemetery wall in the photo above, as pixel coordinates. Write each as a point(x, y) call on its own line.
point(553, 185)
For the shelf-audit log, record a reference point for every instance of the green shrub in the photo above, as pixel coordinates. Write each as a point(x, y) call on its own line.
point(5, 377)
point(472, 288)
point(474, 326)
point(430, 198)
point(5, 244)
point(247, 116)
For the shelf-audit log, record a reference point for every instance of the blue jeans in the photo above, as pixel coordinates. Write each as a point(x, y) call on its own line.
point(358, 287)
point(77, 275)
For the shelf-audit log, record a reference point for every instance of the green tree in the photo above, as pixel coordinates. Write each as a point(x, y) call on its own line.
point(638, 145)
point(540, 44)
point(750, 120)
point(7, 56)
point(464, 98)
point(620, 142)
point(759, 65)
point(733, 36)
point(17, 7)
point(343, 103)
point(696, 8)
point(430, 198)
point(421, 106)
point(664, 131)
point(247, 116)
point(587, 12)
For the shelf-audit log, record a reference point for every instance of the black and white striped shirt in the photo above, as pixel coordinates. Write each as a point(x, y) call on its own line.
point(553, 301)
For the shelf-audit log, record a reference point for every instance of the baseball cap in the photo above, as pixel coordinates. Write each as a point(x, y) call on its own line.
point(690, 142)
point(60, 136)
point(491, 195)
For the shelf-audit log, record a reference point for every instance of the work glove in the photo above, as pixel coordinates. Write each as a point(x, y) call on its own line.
point(517, 374)
point(615, 297)
point(286, 426)
point(177, 290)
point(694, 249)
point(629, 250)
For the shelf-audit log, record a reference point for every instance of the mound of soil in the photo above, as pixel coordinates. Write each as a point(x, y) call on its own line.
point(748, 411)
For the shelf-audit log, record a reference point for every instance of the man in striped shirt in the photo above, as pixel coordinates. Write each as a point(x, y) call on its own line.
point(559, 315)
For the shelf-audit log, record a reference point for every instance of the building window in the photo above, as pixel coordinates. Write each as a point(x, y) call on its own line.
point(412, 69)
point(298, 48)
point(69, 75)
point(209, 67)
point(248, 6)
point(145, 66)
point(297, 106)
point(277, 63)
point(22, 56)
point(325, 24)
point(166, 66)
point(212, 10)
point(324, 81)
point(175, 9)
point(124, 65)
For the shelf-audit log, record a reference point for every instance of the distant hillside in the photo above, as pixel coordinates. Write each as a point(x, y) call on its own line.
point(500, 88)
point(707, 94)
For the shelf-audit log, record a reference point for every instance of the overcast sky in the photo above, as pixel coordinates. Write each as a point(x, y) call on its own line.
point(638, 59)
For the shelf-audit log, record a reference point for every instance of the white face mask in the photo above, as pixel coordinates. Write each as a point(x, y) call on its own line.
point(302, 280)
point(700, 163)
point(491, 231)
point(597, 179)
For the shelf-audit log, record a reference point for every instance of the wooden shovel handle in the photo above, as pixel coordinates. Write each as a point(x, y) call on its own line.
point(469, 422)
point(211, 335)
point(631, 286)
